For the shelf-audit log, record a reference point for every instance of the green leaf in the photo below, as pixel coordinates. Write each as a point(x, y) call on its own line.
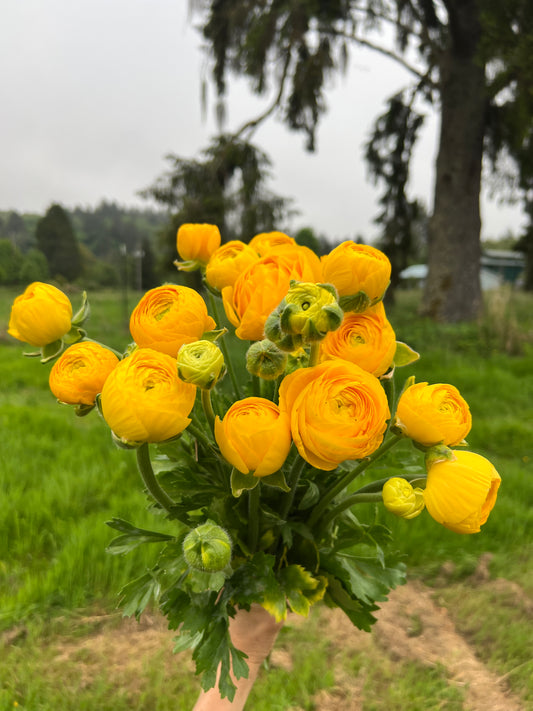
point(132, 537)
point(358, 302)
point(135, 596)
point(311, 496)
point(359, 614)
point(296, 582)
point(242, 482)
point(255, 581)
point(83, 312)
point(51, 351)
point(404, 355)
point(277, 480)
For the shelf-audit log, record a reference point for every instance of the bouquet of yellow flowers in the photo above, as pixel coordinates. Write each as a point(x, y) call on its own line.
point(250, 439)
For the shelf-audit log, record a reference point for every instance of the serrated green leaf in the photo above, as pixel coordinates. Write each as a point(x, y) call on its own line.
point(186, 640)
point(133, 537)
point(359, 614)
point(364, 578)
point(404, 355)
point(135, 596)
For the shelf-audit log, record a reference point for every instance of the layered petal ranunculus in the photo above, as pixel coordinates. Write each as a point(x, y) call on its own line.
point(254, 436)
point(197, 242)
point(41, 315)
point(265, 242)
point(337, 411)
point(354, 268)
point(433, 414)
point(261, 287)
point(79, 374)
point(461, 493)
point(143, 399)
point(366, 339)
point(228, 262)
point(169, 316)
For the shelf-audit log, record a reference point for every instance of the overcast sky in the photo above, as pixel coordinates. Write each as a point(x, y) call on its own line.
point(94, 94)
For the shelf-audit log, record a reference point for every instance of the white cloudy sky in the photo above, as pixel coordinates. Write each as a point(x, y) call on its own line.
point(94, 94)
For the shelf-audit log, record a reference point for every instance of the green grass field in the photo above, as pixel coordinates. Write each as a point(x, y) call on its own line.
point(61, 478)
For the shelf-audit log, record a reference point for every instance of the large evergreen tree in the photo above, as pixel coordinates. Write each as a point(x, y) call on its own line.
point(459, 63)
point(56, 239)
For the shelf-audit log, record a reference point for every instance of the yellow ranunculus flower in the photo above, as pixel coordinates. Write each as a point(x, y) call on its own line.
point(460, 494)
point(201, 363)
point(143, 400)
point(401, 499)
point(366, 339)
point(433, 414)
point(79, 374)
point(228, 262)
point(261, 287)
point(169, 316)
point(197, 242)
point(337, 410)
point(265, 242)
point(353, 268)
point(254, 436)
point(41, 315)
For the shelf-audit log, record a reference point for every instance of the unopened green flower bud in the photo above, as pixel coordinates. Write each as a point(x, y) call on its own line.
point(265, 360)
point(201, 363)
point(207, 548)
point(401, 499)
point(308, 311)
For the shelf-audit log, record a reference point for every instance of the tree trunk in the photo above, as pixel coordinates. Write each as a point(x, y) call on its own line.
point(452, 291)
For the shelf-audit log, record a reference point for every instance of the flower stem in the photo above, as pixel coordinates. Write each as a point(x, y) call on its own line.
point(314, 354)
point(253, 517)
point(149, 479)
point(224, 349)
point(349, 477)
point(208, 409)
point(348, 502)
point(296, 472)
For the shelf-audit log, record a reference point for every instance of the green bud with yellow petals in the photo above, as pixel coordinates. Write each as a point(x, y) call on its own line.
point(207, 548)
point(401, 499)
point(201, 363)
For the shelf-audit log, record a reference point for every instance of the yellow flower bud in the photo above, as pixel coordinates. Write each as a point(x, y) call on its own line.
point(265, 360)
point(228, 262)
point(196, 243)
point(401, 499)
point(169, 316)
point(201, 363)
point(79, 374)
point(359, 272)
point(308, 310)
point(460, 494)
point(207, 548)
point(143, 400)
point(433, 414)
point(265, 242)
point(254, 436)
point(41, 315)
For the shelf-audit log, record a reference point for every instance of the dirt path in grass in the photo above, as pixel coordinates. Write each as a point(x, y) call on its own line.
point(411, 625)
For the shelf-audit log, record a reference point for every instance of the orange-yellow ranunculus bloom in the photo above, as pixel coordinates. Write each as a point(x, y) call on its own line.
point(254, 436)
point(228, 262)
point(366, 339)
point(433, 414)
point(197, 242)
point(169, 316)
point(41, 315)
point(265, 242)
point(353, 267)
point(460, 494)
point(143, 399)
point(338, 411)
point(262, 286)
point(401, 499)
point(80, 373)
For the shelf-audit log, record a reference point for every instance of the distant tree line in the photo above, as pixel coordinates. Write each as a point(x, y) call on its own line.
point(105, 246)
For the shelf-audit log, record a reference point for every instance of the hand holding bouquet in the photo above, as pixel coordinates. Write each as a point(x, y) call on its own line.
point(251, 441)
